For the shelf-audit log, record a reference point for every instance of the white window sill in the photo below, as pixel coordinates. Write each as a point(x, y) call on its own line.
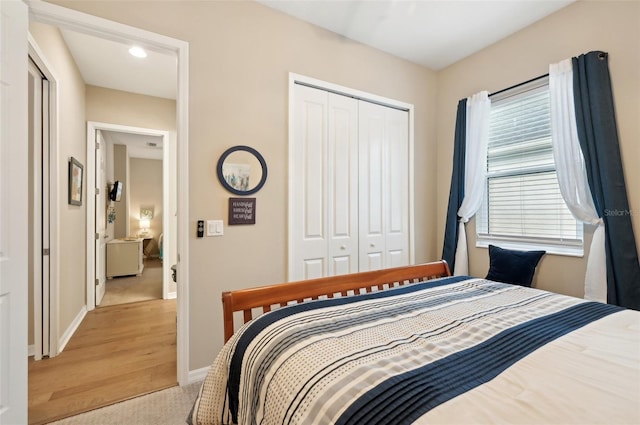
point(550, 248)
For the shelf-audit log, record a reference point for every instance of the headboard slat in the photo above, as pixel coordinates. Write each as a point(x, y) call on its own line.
point(281, 294)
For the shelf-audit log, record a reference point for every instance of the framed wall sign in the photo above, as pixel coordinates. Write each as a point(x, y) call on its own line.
point(242, 211)
point(76, 171)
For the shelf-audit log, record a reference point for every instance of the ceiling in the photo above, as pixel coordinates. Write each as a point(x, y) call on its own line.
point(432, 33)
point(138, 145)
point(106, 63)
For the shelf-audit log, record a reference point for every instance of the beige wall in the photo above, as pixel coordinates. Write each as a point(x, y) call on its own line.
point(71, 142)
point(130, 109)
point(240, 57)
point(579, 28)
point(145, 183)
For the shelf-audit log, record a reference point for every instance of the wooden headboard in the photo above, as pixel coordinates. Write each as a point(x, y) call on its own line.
point(266, 297)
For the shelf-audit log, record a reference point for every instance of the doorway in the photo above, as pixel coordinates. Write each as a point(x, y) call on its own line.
point(82, 372)
point(140, 218)
point(39, 208)
point(43, 197)
point(72, 20)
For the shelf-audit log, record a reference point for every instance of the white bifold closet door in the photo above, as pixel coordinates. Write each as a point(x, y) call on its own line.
point(384, 187)
point(349, 185)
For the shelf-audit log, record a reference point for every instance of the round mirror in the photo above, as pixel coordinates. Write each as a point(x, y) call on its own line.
point(242, 170)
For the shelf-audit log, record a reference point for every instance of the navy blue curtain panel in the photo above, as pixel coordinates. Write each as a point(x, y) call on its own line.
point(598, 135)
point(456, 193)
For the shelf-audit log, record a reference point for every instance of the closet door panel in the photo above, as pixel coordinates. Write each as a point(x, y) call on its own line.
point(308, 168)
point(342, 184)
point(373, 185)
point(397, 204)
point(372, 261)
point(313, 268)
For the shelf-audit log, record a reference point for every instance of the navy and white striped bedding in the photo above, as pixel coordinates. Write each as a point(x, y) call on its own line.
point(386, 357)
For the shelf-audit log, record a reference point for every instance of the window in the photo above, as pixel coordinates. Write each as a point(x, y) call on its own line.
point(523, 207)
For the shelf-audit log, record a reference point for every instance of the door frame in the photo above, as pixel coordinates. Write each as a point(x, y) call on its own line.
point(168, 167)
point(51, 299)
point(369, 97)
point(96, 26)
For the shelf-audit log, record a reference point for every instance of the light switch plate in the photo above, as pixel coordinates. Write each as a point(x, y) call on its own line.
point(215, 228)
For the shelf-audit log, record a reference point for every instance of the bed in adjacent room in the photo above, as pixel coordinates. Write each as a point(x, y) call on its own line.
point(420, 346)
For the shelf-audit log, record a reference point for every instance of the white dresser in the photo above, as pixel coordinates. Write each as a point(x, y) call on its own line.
point(124, 257)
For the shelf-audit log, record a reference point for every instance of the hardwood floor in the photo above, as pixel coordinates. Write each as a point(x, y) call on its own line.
point(117, 353)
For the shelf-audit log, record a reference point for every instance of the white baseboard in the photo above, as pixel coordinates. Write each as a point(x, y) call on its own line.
point(66, 336)
point(31, 350)
point(172, 295)
point(198, 374)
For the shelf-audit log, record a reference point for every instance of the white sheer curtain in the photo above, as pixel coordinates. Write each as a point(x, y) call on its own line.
point(477, 140)
point(572, 175)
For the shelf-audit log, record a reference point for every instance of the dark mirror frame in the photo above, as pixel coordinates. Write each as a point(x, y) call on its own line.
point(255, 153)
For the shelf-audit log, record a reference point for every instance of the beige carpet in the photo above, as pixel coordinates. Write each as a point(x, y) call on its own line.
point(148, 286)
point(166, 407)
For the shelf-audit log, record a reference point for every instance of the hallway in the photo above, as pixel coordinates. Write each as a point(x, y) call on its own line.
point(117, 353)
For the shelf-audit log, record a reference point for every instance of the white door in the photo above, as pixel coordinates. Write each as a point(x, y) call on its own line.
point(102, 193)
point(342, 184)
point(349, 203)
point(308, 185)
point(374, 187)
point(397, 195)
point(39, 139)
point(384, 187)
point(325, 187)
point(13, 212)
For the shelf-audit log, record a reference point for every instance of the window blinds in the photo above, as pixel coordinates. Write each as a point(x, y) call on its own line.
point(522, 196)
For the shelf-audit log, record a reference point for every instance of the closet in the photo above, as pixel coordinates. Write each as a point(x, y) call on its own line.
point(349, 185)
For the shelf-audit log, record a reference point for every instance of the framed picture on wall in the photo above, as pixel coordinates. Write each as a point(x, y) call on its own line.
point(242, 211)
point(76, 175)
point(146, 213)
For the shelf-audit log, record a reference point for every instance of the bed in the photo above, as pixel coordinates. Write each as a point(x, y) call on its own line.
point(416, 345)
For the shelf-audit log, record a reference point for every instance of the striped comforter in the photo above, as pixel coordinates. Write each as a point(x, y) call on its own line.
point(391, 357)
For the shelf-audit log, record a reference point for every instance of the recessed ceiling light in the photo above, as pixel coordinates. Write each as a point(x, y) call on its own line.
point(138, 52)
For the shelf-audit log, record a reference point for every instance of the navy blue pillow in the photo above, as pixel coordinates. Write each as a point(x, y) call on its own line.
point(509, 266)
